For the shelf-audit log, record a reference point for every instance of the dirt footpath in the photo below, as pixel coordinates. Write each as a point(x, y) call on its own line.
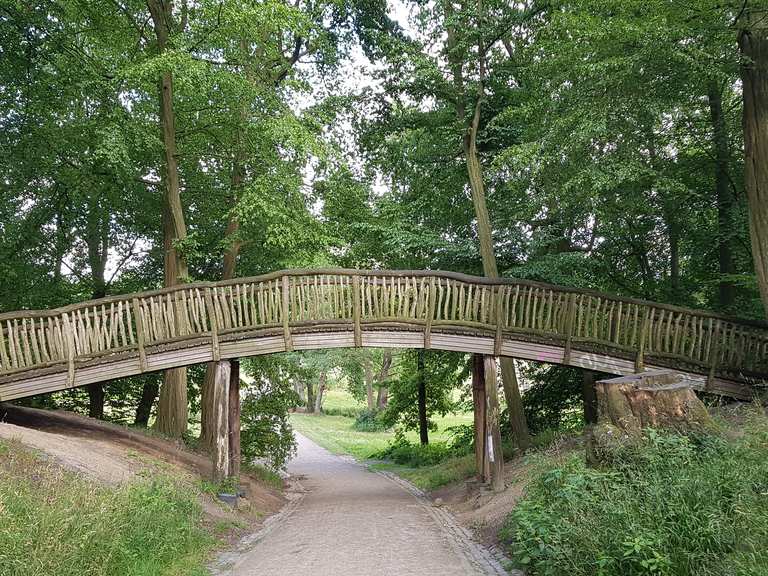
point(350, 521)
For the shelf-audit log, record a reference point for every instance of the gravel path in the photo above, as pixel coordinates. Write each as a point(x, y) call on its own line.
point(352, 522)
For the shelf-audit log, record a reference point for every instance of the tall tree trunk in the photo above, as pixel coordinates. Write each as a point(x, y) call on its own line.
point(144, 409)
point(368, 375)
point(172, 411)
point(484, 229)
point(382, 396)
point(753, 42)
point(724, 197)
point(172, 408)
point(422, 401)
point(320, 390)
point(97, 241)
point(310, 397)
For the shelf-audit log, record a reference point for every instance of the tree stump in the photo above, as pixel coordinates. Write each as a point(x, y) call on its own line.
point(627, 405)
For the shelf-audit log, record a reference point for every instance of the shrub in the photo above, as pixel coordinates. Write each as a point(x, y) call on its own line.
point(266, 432)
point(670, 505)
point(553, 401)
point(370, 421)
point(405, 453)
point(346, 411)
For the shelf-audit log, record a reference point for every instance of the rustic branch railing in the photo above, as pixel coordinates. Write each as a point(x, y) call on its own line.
point(296, 300)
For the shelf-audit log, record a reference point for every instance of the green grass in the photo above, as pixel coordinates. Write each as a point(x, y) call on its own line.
point(264, 474)
point(55, 522)
point(340, 400)
point(335, 433)
point(449, 471)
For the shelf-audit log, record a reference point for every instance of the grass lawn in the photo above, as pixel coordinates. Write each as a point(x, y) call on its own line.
point(53, 521)
point(335, 433)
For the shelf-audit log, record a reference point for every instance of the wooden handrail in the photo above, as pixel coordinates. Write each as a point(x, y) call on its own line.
point(428, 301)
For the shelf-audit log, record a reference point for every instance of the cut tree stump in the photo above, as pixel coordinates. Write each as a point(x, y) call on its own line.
point(627, 405)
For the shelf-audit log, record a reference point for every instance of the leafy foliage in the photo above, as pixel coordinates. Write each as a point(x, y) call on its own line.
point(554, 399)
point(370, 421)
point(444, 372)
point(266, 432)
point(671, 505)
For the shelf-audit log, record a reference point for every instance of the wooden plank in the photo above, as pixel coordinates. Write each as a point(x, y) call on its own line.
point(286, 312)
point(213, 320)
point(140, 337)
point(356, 305)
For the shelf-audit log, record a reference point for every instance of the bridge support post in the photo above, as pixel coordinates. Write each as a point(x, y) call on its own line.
point(485, 394)
point(220, 453)
point(478, 403)
point(493, 433)
point(234, 420)
point(589, 397)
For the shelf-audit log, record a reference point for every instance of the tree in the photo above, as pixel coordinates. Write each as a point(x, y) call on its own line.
point(421, 387)
point(172, 408)
point(753, 42)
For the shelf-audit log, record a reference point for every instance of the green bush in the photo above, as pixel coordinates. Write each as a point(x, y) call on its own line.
point(266, 431)
point(405, 453)
point(370, 421)
point(345, 411)
point(671, 505)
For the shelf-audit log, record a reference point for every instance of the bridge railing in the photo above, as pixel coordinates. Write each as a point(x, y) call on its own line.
point(354, 300)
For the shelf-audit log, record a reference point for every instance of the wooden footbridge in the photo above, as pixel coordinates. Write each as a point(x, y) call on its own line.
point(48, 350)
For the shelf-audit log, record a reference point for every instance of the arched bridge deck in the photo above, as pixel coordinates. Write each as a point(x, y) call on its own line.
point(98, 340)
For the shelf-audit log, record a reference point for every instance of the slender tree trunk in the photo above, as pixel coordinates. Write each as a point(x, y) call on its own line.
point(97, 241)
point(319, 395)
point(382, 396)
point(310, 397)
point(172, 407)
point(753, 42)
point(220, 455)
point(484, 229)
point(207, 422)
point(368, 375)
point(144, 409)
point(422, 391)
point(724, 196)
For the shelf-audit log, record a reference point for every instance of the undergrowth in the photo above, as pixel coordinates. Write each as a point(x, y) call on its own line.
point(670, 505)
point(55, 522)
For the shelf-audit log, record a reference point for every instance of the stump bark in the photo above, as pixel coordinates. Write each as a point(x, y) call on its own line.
point(628, 405)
